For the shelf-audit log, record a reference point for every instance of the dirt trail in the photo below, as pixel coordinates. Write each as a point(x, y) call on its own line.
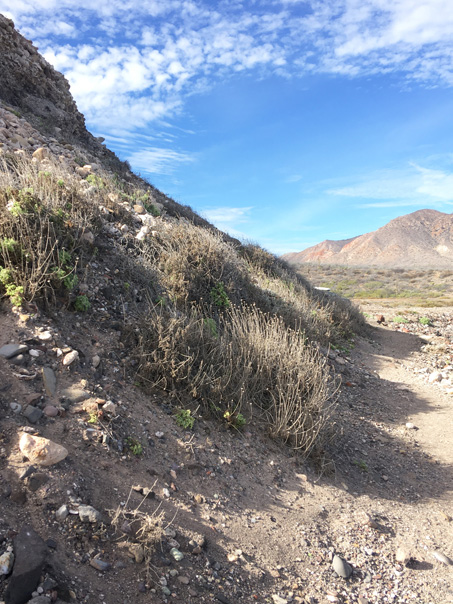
point(433, 418)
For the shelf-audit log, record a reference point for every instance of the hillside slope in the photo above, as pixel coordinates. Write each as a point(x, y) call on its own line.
point(421, 239)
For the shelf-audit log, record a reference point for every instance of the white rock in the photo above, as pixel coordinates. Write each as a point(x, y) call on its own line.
point(435, 376)
point(70, 357)
point(96, 360)
point(45, 336)
point(6, 563)
point(34, 353)
point(42, 451)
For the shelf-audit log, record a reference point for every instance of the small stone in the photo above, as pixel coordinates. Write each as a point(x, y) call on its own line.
point(278, 600)
point(15, 407)
point(62, 513)
point(435, 376)
point(166, 591)
point(41, 451)
point(139, 209)
point(45, 336)
point(19, 360)
point(74, 394)
point(99, 564)
point(12, 350)
point(109, 407)
point(184, 580)
point(33, 414)
point(402, 556)
point(70, 358)
point(41, 153)
point(34, 353)
point(50, 411)
point(36, 481)
point(87, 513)
point(6, 563)
point(410, 426)
point(138, 552)
point(176, 554)
point(442, 558)
point(95, 361)
point(341, 567)
point(88, 237)
point(166, 492)
point(50, 381)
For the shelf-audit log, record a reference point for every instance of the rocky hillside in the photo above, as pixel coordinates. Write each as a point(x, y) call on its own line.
point(422, 239)
point(142, 353)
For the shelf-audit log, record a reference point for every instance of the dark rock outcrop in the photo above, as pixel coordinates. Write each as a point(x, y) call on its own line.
point(30, 553)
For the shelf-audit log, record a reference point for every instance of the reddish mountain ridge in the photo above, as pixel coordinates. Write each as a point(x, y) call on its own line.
point(421, 239)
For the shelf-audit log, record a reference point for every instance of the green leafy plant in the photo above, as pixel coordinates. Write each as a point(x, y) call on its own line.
point(185, 419)
point(82, 304)
point(134, 446)
point(362, 465)
point(96, 181)
point(425, 321)
point(60, 182)
point(219, 297)
point(234, 419)
point(151, 208)
point(13, 291)
point(93, 419)
point(70, 282)
point(400, 319)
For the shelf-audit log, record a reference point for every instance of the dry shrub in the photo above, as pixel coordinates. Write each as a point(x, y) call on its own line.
point(142, 528)
point(42, 217)
point(252, 363)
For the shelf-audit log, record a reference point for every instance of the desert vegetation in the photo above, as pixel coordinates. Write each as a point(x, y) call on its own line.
point(225, 327)
point(428, 287)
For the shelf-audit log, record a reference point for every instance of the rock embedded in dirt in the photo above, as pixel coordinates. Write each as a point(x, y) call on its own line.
point(74, 394)
point(62, 513)
point(6, 563)
point(341, 567)
point(70, 358)
point(87, 513)
point(30, 556)
point(42, 451)
point(33, 414)
point(12, 350)
point(443, 559)
point(402, 555)
point(176, 554)
point(36, 481)
point(50, 381)
point(99, 564)
point(50, 411)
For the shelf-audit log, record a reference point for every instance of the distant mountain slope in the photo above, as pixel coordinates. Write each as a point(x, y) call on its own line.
point(421, 239)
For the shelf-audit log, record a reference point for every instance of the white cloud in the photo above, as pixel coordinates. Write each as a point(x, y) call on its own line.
point(132, 62)
point(412, 186)
point(227, 215)
point(154, 160)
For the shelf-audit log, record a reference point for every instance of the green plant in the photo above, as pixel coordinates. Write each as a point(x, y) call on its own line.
point(70, 282)
point(96, 181)
point(13, 291)
point(60, 182)
point(93, 419)
point(151, 208)
point(212, 326)
point(64, 257)
point(234, 419)
point(81, 303)
point(425, 321)
point(400, 319)
point(219, 297)
point(184, 419)
point(127, 286)
point(134, 446)
point(362, 465)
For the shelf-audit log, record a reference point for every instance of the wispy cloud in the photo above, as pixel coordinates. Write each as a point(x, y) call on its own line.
point(154, 160)
point(227, 215)
point(133, 63)
point(412, 186)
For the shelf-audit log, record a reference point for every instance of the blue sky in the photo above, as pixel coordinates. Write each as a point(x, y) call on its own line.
point(284, 122)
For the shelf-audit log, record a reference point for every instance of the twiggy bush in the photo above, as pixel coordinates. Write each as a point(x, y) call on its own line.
point(45, 221)
point(254, 365)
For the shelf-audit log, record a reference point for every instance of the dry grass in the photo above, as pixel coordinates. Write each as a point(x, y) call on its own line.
point(251, 364)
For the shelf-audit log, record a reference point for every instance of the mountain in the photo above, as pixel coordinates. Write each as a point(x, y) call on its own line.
point(422, 239)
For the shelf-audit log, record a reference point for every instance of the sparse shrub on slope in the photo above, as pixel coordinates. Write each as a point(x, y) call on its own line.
point(255, 365)
point(46, 222)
